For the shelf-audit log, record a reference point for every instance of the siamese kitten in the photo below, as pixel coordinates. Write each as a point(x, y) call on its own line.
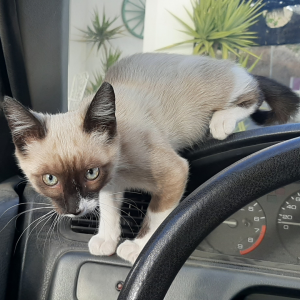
point(128, 137)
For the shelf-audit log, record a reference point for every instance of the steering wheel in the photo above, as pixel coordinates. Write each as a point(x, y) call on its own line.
point(202, 211)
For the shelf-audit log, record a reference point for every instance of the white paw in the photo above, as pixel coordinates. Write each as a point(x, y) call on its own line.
point(129, 250)
point(222, 125)
point(101, 246)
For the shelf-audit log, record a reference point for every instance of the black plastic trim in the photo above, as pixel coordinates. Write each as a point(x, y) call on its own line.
point(208, 206)
point(13, 51)
point(35, 39)
point(259, 136)
point(9, 200)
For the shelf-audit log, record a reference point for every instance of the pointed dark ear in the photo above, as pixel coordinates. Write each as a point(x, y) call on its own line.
point(100, 116)
point(23, 123)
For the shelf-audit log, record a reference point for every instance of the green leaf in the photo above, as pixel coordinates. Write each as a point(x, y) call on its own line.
point(197, 48)
point(202, 51)
point(224, 22)
point(247, 51)
point(190, 33)
point(226, 45)
point(254, 64)
point(244, 61)
point(224, 53)
point(177, 44)
point(219, 35)
point(190, 15)
point(184, 24)
point(100, 33)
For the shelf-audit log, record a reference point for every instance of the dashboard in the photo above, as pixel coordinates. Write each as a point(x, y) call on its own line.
point(267, 229)
point(254, 252)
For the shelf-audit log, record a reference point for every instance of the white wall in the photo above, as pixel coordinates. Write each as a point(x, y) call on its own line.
point(81, 57)
point(162, 29)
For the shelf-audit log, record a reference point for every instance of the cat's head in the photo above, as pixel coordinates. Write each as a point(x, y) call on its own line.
point(67, 157)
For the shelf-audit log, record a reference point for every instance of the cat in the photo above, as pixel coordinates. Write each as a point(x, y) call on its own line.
point(128, 136)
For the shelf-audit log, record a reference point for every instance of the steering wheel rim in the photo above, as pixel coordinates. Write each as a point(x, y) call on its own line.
point(202, 211)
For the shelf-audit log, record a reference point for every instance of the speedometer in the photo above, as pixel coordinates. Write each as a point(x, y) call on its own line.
point(288, 224)
point(241, 233)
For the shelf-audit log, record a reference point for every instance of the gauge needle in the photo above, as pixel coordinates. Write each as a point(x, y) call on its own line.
point(289, 223)
point(231, 223)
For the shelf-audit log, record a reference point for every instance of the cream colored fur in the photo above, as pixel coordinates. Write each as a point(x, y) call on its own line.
point(164, 103)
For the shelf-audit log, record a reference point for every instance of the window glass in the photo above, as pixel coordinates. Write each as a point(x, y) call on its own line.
point(103, 31)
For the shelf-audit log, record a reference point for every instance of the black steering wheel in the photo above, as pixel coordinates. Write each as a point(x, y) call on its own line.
point(202, 211)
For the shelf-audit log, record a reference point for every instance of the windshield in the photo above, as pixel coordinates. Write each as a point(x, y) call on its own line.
point(262, 36)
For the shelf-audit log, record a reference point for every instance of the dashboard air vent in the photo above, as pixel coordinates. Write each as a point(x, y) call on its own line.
point(132, 214)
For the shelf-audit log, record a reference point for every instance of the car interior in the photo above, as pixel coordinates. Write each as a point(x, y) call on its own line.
point(235, 235)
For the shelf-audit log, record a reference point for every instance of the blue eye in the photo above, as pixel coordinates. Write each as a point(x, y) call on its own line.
point(92, 174)
point(50, 179)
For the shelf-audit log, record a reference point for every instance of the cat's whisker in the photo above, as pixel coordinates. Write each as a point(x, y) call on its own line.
point(56, 225)
point(133, 192)
point(121, 211)
point(48, 234)
point(102, 217)
point(24, 180)
point(46, 221)
point(56, 217)
point(42, 197)
point(129, 203)
point(40, 219)
point(32, 209)
point(121, 217)
point(53, 228)
point(18, 215)
point(21, 204)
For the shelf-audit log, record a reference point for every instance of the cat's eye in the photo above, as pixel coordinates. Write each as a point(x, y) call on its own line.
point(92, 174)
point(50, 179)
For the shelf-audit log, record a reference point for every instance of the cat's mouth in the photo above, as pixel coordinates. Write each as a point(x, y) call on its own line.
point(85, 207)
point(78, 214)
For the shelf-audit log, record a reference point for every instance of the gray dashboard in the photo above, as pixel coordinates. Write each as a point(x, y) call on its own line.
point(266, 230)
point(61, 268)
point(53, 262)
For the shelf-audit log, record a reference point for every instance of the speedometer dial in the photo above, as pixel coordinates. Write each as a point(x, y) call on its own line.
point(241, 233)
point(288, 224)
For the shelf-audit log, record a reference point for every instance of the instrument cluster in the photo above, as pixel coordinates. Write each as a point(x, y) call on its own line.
point(267, 229)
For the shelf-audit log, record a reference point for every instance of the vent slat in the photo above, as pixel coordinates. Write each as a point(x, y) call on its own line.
point(87, 230)
point(132, 212)
point(85, 222)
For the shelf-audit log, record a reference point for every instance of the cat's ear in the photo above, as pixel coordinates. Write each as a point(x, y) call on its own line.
point(24, 124)
point(100, 116)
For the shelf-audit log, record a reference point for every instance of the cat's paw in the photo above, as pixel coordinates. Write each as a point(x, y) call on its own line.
point(221, 125)
point(100, 246)
point(129, 250)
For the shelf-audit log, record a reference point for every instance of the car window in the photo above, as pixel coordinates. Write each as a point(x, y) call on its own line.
point(103, 31)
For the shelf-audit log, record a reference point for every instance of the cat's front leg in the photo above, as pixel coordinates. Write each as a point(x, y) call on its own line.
point(130, 250)
point(106, 240)
point(171, 174)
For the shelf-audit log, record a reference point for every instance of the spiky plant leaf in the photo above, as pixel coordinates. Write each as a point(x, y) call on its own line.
point(109, 60)
point(221, 24)
point(94, 85)
point(100, 33)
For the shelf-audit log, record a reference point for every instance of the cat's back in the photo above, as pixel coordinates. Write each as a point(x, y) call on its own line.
point(160, 67)
point(175, 93)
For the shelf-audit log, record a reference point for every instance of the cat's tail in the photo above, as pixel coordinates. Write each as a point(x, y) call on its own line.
point(284, 103)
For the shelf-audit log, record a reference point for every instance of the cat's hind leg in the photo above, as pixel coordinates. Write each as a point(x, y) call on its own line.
point(170, 172)
point(223, 122)
point(246, 97)
point(106, 240)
